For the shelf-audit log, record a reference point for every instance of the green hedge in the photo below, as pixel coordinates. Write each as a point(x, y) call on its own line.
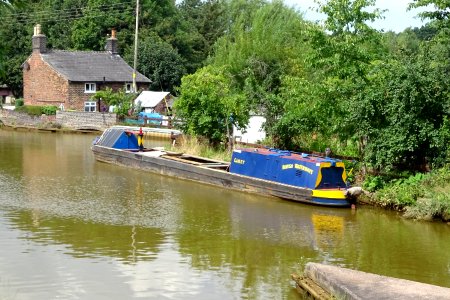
point(34, 110)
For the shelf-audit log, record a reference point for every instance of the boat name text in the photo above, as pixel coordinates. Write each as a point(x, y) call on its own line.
point(239, 161)
point(298, 167)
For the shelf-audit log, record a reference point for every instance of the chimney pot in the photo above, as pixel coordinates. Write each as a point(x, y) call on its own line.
point(37, 29)
point(39, 41)
point(112, 43)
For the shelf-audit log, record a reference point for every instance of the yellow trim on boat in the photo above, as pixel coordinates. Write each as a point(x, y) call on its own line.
point(331, 194)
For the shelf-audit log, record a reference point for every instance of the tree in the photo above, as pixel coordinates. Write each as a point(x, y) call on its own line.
point(405, 114)
point(264, 42)
point(209, 106)
point(160, 62)
point(441, 12)
point(121, 100)
point(319, 100)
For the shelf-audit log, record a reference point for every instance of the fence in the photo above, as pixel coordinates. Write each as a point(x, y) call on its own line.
point(166, 122)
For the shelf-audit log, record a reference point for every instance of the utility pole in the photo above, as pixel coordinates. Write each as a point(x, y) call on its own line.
point(134, 88)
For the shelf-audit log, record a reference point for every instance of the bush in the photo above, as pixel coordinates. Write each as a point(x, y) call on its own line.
point(422, 196)
point(19, 102)
point(30, 109)
point(49, 110)
point(373, 183)
point(34, 110)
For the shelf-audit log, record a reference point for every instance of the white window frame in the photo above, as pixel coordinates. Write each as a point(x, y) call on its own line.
point(128, 87)
point(90, 87)
point(90, 106)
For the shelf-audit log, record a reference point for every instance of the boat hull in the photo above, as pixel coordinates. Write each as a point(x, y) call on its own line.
point(212, 176)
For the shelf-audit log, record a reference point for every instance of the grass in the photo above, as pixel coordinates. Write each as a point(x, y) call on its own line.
point(192, 146)
point(421, 197)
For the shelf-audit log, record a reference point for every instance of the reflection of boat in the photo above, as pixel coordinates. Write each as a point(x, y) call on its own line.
point(298, 177)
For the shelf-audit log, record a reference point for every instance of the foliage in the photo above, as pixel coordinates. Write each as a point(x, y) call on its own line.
point(19, 102)
point(440, 13)
point(373, 183)
point(49, 110)
point(161, 63)
point(122, 101)
point(32, 110)
point(195, 146)
point(422, 196)
point(85, 25)
point(210, 106)
point(403, 114)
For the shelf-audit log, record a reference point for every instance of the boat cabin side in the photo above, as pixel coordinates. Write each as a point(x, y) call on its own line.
point(300, 170)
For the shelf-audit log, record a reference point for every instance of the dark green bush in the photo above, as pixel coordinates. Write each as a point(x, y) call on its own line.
point(19, 102)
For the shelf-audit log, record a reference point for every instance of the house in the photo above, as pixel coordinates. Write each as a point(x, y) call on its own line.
point(69, 79)
point(155, 102)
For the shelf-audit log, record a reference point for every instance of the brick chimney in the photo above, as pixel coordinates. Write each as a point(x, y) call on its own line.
point(39, 41)
point(111, 43)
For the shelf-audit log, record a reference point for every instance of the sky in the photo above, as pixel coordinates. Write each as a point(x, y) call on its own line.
point(397, 18)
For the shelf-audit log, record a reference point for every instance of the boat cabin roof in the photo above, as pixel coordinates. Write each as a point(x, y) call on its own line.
point(291, 155)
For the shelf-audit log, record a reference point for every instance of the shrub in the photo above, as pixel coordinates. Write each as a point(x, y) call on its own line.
point(19, 102)
point(49, 110)
point(373, 183)
point(422, 196)
point(34, 110)
point(30, 109)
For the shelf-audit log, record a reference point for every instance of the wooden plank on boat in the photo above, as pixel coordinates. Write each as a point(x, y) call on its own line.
point(180, 159)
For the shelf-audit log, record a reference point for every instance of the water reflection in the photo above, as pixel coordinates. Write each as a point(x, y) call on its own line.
point(67, 221)
point(89, 239)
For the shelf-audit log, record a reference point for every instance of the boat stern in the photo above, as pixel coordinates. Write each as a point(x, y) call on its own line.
point(331, 197)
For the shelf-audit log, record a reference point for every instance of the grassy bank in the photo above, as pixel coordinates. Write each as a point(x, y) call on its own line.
point(421, 197)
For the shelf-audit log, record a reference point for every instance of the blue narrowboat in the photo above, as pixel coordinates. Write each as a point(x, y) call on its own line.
point(283, 174)
point(325, 177)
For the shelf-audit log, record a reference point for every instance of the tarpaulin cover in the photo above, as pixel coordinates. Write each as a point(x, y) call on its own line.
point(118, 139)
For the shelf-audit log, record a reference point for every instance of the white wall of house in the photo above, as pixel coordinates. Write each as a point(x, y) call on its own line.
point(253, 133)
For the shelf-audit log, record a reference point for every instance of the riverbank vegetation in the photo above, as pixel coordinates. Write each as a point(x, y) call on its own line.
point(420, 196)
point(381, 97)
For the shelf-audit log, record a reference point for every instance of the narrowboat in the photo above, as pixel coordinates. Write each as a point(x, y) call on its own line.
point(271, 172)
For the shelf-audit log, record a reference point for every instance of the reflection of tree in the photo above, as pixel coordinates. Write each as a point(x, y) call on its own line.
point(257, 241)
point(89, 239)
point(10, 153)
point(391, 246)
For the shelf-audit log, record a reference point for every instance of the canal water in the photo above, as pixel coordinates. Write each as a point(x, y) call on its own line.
point(74, 228)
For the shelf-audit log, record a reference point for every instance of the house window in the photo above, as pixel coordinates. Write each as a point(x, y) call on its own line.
point(90, 88)
point(128, 87)
point(90, 106)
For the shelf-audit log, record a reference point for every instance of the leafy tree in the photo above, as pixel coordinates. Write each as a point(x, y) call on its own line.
point(338, 66)
point(265, 42)
point(405, 114)
point(122, 101)
point(161, 63)
point(15, 48)
point(209, 106)
point(440, 13)
point(204, 22)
